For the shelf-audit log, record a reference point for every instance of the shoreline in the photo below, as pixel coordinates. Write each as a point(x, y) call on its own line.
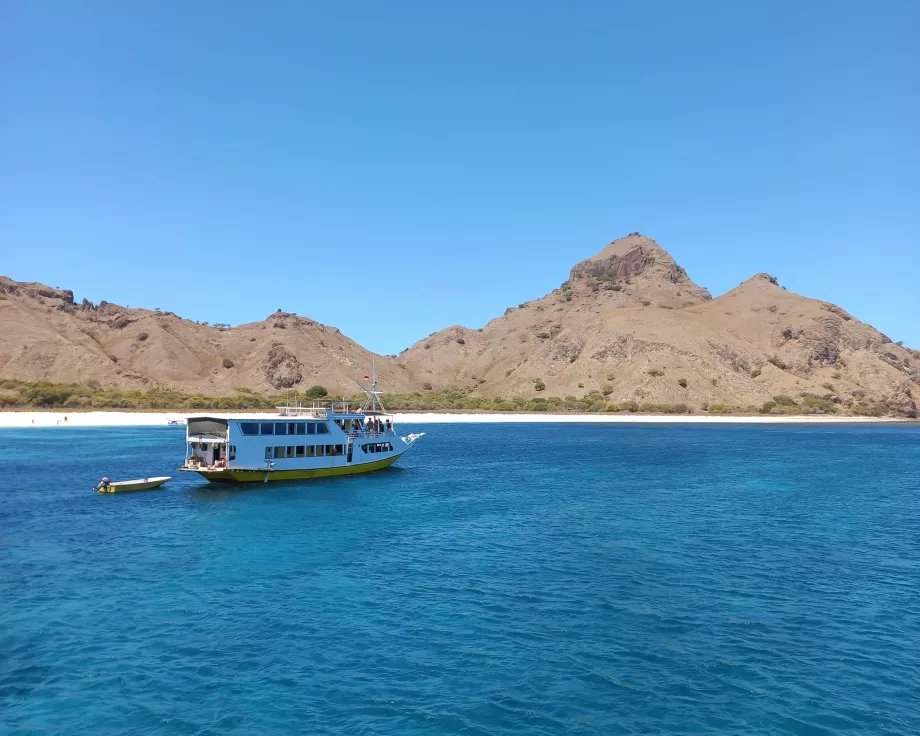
point(23, 419)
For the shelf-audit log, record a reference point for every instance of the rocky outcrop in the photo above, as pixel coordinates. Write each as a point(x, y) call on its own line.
point(903, 401)
point(283, 369)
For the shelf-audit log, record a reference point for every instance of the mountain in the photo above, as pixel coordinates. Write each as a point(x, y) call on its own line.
point(627, 325)
point(46, 336)
point(631, 324)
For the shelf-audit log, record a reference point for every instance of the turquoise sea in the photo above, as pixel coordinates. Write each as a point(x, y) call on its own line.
point(503, 579)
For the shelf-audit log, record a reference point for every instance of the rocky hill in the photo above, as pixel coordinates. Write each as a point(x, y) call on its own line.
point(46, 336)
point(630, 324)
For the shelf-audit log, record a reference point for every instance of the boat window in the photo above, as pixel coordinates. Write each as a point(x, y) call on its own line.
point(268, 428)
point(280, 428)
point(311, 427)
point(330, 450)
point(322, 428)
point(311, 451)
point(319, 450)
point(301, 428)
point(268, 453)
point(249, 428)
point(279, 453)
point(233, 452)
point(338, 449)
point(290, 451)
point(299, 452)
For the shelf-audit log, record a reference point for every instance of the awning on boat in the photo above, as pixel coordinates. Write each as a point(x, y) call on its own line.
point(198, 426)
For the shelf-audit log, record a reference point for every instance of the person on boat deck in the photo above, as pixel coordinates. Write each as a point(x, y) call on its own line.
point(389, 424)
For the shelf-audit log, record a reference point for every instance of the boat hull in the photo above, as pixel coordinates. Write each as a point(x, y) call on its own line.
point(237, 475)
point(130, 486)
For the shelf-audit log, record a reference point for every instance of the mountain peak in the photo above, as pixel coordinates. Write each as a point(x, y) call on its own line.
point(637, 257)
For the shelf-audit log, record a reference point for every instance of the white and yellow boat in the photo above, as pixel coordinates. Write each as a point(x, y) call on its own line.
point(325, 439)
point(123, 486)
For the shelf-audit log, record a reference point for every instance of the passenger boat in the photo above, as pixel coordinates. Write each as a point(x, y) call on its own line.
point(121, 486)
point(299, 442)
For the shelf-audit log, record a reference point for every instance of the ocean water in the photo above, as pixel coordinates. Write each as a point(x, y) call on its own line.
point(503, 579)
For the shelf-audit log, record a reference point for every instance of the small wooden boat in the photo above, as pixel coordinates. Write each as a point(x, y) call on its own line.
point(122, 486)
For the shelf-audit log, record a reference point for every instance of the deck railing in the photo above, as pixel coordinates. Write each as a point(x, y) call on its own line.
point(316, 412)
point(371, 434)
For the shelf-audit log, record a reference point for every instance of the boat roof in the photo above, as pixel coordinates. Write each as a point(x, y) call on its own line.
point(306, 416)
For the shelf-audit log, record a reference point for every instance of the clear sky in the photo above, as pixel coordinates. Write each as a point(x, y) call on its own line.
point(394, 168)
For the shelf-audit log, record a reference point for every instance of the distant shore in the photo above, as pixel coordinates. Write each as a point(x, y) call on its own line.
point(151, 419)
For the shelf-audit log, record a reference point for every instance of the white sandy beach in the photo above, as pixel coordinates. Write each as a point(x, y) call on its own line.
point(147, 419)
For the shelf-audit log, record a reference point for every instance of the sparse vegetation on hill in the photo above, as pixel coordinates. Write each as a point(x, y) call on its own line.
point(42, 395)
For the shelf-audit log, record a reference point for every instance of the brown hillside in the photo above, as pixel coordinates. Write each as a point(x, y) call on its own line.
point(630, 323)
point(45, 336)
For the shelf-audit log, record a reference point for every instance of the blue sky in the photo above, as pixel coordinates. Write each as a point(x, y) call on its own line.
point(395, 168)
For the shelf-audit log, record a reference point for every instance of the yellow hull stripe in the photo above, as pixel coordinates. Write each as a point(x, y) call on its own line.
point(229, 475)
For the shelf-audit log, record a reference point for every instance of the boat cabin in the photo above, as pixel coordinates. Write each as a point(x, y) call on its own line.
point(295, 438)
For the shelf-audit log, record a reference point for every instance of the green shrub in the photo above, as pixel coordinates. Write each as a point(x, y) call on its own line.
point(819, 405)
point(756, 372)
point(783, 400)
point(316, 392)
point(142, 336)
point(682, 382)
point(228, 363)
point(539, 385)
point(655, 372)
point(543, 335)
point(778, 362)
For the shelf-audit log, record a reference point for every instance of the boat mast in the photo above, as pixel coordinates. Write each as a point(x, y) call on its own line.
point(374, 384)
